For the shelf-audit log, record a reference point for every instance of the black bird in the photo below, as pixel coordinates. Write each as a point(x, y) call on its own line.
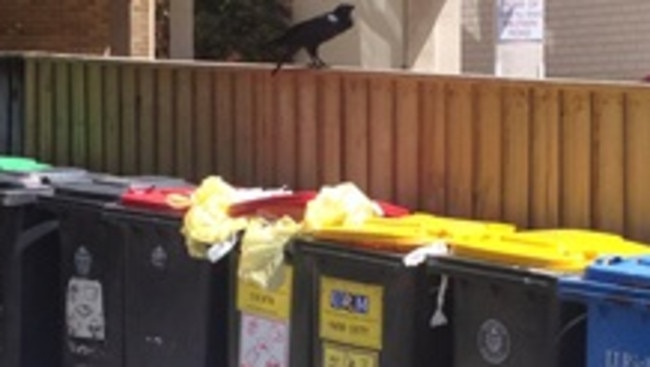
point(312, 33)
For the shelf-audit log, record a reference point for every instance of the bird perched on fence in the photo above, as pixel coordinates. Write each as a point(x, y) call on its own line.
point(312, 33)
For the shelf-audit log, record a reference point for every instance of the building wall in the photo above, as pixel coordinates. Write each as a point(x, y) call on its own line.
point(600, 39)
point(412, 34)
point(121, 27)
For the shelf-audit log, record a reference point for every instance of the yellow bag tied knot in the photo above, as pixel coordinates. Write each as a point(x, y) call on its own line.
point(207, 222)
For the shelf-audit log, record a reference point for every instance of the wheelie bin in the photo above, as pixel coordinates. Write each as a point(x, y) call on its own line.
point(30, 301)
point(175, 306)
point(92, 268)
point(268, 327)
point(373, 308)
point(506, 309)
point(616, 291)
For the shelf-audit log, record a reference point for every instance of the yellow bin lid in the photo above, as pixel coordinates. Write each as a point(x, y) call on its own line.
point(447, 227)
point(593, 244)
point(555, 250)
point(382, 233)
point(519, 251)
point(402, 234)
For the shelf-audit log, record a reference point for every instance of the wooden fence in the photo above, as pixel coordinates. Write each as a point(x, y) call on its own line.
point(540, 154)
point(11, 97)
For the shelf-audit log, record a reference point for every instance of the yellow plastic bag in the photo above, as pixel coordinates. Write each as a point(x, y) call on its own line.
point(207, 223)
point(342, 205)
point(262, 251)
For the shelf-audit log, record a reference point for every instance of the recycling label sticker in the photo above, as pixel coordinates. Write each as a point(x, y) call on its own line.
point(263, 342)
point(339, 356)
point(85, 310)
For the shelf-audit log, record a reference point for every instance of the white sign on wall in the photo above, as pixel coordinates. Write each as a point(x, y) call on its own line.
point(520, 20)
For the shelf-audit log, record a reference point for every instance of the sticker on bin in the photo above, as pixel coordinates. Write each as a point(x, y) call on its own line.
point(272, 304)
point(84, 309)
point(264, 342)
point(351, 313)
point(339, 356)
point(493, 341)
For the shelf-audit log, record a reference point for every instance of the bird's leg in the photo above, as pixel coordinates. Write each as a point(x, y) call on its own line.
point(316, 61)
point(319, 61)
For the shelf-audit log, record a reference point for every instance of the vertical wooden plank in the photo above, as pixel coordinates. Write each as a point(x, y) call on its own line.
point(459, 149)
point(79, 115)
point(545, 161)
point(264, 128)
point(147, 123)
point(166, 147)
point(204, 133)
point(111, 118)
point(407, 137)
point(488, 168)
point(516, 155)
point(244, 137)
point(609, 161)
point(129, 123)
point(381, 132)
point(31, 107)
point(5, 105)
point(17, 104)
point(46, 112)
point(355, 130)
point(224, 149)
point(637, 175)
point(576, 158)
point(184, 124)
point(63, 116)
point(286, 131)
point(331, 145)
point(433, 147)
point(95, 123)
point(308, 165)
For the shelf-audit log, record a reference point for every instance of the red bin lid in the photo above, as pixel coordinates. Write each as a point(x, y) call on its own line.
point(294, 205)
point(154, 198)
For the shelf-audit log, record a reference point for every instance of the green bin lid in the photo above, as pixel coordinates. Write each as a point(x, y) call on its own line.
point(21, 164)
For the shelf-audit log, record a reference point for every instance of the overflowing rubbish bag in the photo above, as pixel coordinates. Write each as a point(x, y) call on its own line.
point(219, 216)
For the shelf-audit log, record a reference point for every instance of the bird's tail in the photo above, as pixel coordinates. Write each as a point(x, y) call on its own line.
point(283, 59)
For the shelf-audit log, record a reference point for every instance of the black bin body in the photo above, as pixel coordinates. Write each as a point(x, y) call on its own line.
point(370, 309)
point(270, 327)
point(92, 270)
point(30, 300)
point(30, 297)
point(175, 306)
point(511, 317)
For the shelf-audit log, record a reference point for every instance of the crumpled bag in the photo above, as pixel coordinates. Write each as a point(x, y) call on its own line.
point(341, 205)
point(207, 222)
point(262, 251)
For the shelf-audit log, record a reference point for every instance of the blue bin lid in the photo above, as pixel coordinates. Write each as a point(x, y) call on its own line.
point(631, 272)
point(612, 278)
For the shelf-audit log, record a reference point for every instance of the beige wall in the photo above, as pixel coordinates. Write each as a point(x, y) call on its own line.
point(414, 34)
point(602, 39)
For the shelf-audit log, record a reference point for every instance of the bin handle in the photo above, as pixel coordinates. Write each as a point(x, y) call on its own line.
point(35, 233)
point(569, 326)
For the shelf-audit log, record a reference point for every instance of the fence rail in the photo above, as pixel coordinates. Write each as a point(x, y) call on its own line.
point(540, 154)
